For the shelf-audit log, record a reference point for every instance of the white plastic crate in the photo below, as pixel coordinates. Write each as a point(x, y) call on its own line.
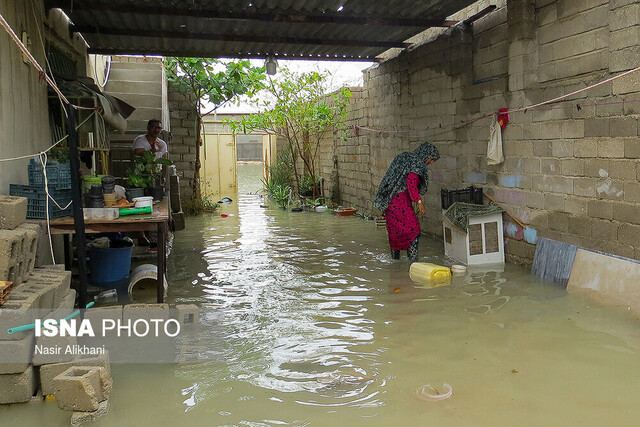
point(483, 243)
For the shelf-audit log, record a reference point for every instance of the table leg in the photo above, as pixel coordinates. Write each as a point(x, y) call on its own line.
point(162, 229)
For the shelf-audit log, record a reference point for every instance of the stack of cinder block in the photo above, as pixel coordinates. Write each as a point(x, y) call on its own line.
point(37, 293)
point(177, 215)
point(18, 240)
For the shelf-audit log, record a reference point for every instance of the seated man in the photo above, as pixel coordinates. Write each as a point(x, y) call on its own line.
point(150, 141)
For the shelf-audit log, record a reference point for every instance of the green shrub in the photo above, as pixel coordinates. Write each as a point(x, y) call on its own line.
point(198, 206)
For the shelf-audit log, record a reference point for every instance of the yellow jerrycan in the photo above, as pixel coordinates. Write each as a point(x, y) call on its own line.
point(423, 271)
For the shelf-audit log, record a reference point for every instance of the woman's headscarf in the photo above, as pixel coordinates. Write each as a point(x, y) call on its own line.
point(395, 180)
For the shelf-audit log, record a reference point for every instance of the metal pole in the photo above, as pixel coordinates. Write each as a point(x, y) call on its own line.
point(76, 196)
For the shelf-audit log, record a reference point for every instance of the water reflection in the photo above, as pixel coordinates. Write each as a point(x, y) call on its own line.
point(307, 320)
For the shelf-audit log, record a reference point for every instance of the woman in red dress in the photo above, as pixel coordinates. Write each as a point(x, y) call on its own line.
point(405, 180)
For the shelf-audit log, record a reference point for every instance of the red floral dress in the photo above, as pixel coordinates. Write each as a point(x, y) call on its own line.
point(402, 223)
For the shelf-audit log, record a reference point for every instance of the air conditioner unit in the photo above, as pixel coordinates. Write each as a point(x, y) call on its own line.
point(482, 243)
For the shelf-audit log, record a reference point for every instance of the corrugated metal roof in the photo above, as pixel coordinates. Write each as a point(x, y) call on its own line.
point(305, 29)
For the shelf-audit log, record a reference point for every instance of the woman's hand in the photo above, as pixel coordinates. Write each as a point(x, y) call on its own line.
point(422, 209)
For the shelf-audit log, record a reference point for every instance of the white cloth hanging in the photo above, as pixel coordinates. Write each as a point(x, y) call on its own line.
point(494, 148)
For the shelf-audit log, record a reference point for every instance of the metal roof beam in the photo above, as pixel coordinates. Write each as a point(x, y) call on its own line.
point(196, 54)
point(234, 38)
point(147, 10)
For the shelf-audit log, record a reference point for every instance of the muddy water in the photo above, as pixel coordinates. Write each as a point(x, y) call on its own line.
point(307, 321)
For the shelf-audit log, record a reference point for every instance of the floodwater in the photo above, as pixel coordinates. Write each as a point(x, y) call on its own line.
point(308, 321)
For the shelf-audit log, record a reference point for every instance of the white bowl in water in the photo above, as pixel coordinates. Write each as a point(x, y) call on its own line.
point(457, 268)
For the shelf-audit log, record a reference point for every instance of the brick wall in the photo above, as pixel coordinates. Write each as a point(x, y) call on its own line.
point(570, 173)
point(182, 145)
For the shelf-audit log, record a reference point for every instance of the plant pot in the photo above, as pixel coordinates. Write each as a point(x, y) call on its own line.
point(134, 192)
point(345, 211)
point(156, 192)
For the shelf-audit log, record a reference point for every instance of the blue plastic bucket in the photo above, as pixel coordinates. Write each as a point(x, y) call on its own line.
point(110, 265)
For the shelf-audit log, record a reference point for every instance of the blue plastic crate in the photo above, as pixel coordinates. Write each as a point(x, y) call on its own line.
point(58, 174)
point(37, 199)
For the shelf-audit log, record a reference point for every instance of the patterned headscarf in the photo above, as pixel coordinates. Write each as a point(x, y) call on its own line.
point(395, 180)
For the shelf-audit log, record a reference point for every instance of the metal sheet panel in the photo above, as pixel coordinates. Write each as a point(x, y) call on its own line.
point(307, 29)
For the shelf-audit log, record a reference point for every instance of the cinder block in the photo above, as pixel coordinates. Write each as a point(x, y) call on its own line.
point(29, 247)
point(68, 302)
point(82, 388)
point(79, 417)
point(49, 372)
point(61, 280)
point(42, 292)
point(52, 267)
point(97, 315)
point(178, 220)
point(53, 349)
point(134, 312)
point(13, 211)
point(11, 250)
point(15, 356)
point(42, 247)
point(187, 315)
point(17, 388)
point(15, 313)
point(66, 307)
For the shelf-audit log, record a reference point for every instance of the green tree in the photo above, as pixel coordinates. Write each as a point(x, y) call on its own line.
point(213, 81)
point(301, 110)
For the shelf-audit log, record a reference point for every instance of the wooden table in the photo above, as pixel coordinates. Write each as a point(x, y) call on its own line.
point(156, 221)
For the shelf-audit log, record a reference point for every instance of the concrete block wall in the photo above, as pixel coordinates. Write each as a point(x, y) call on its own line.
point(183, 147)
point(571, 169)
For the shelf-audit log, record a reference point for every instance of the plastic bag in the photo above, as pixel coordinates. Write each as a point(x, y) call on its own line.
point(494, 149)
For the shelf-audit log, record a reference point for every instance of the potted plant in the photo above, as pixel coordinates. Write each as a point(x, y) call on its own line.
point(136, 183)
point(148, 174)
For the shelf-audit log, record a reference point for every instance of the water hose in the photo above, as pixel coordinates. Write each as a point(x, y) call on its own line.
point(30, 326)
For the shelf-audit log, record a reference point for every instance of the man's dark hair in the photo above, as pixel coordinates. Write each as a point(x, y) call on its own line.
point(152, 121)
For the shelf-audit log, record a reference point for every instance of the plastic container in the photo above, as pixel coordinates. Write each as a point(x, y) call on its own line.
point(143, 283)
point(143, 202)
point(101, 213)
point(422, 271)
point(89, 180)
point(467, 195)
point(321, 208)
point(110, 265)
point(37, 200)
point(134, 192)
point(58, 174)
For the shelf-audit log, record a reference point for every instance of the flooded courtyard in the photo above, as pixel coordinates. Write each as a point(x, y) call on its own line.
point(308, 321)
